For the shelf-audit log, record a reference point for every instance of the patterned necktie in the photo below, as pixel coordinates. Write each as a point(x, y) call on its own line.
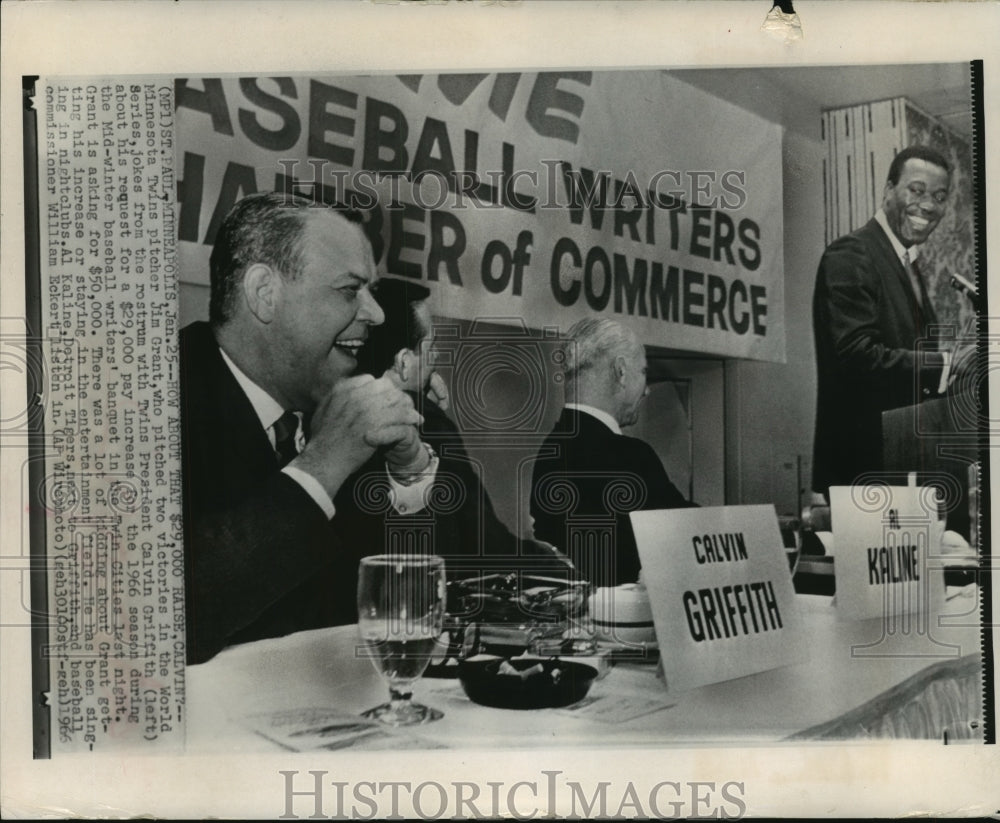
point(285, 429)
point(914, 275)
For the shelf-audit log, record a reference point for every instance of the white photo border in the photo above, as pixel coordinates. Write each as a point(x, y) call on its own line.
point(198, 39)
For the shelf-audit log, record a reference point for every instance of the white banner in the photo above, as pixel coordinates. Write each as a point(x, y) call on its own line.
point(546, 197)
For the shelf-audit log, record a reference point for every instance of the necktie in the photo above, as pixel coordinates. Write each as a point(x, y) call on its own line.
point(285, 429)
point(914, 275)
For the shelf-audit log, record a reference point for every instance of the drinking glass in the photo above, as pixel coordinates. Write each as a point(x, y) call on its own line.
point(401, 602)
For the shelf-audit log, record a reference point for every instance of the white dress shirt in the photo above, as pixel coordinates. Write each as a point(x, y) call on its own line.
point(600, 414)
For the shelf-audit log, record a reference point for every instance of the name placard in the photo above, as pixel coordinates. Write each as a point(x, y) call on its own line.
point(721, 592)
point(885, 536)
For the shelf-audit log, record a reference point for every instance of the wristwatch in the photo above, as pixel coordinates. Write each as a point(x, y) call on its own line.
point(410, 479)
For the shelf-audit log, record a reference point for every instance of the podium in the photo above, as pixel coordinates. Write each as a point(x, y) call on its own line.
point(938, 439)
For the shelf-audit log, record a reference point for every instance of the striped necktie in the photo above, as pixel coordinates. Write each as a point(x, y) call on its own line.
point(286, 428)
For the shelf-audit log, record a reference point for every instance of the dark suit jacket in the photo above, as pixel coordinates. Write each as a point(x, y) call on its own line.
point(468, 532)
point(262, 560)
point(585, 481)
point(866, 322)
point(472, 529)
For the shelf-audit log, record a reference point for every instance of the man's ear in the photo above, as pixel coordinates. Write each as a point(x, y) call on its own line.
point(405, 364)
point(619, 368)
point(260, 289)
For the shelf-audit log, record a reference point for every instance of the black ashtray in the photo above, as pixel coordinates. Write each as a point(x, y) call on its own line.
point(499, 614)
point(525, 683)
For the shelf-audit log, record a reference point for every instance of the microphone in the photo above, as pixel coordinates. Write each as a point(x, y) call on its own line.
point(959, 283)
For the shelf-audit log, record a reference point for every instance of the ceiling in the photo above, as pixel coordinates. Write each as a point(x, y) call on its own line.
point(795, 95)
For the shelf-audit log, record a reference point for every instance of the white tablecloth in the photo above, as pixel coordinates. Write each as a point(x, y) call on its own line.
point(849, 663)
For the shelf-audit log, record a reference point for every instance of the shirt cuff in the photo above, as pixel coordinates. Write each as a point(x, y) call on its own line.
point(409, 499)
point(945, 373)
point(313, 488)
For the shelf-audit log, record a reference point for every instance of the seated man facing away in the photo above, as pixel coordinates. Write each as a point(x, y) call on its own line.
point(588, 476)
point(290, 308)
point(471, 536)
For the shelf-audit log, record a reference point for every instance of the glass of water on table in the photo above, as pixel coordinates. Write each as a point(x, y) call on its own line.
point(401, 603)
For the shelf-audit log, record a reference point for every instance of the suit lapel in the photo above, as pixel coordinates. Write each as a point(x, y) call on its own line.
point(241, 424)
point(887, 260)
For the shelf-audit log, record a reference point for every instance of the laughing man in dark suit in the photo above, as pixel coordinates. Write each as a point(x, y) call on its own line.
point(588, 476)
point(870, 309)
point(265, 548)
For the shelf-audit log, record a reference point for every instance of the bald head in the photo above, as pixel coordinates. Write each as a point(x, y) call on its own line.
point(606, 368)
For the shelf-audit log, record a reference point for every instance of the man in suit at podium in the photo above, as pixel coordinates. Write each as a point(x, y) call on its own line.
point(870, 310)
point(588, 476)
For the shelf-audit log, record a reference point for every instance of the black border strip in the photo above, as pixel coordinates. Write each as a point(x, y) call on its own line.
point(38, 579)
point(982, 330)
